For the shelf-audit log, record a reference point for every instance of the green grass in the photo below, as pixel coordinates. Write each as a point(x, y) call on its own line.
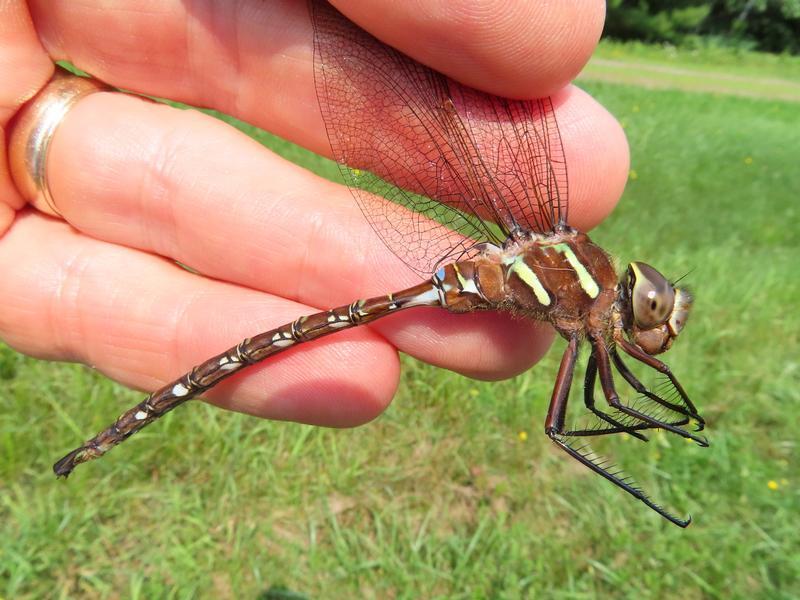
point(440, 497)
point(709, 58)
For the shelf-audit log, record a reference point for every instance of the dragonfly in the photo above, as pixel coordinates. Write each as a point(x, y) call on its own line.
point(470, 190)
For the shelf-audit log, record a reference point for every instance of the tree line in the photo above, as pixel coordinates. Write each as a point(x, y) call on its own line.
point(764, 25)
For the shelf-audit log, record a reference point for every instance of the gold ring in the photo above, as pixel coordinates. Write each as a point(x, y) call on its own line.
point(33, 130)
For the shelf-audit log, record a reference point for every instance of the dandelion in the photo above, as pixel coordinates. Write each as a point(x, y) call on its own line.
point(633, 175)
point(772, 484)
point(748, 160)
point(522, 435)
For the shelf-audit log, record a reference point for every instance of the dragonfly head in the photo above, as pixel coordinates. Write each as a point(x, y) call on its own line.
point(656, 309)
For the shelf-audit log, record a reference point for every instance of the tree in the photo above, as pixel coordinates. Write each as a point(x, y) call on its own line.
point(768, 25)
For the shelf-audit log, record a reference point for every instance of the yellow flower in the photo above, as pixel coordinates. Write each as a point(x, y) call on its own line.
point(522, 435)
point(772, 484)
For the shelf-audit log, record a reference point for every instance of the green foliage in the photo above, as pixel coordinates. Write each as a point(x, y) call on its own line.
point(765, 25)
point(442, 497)
point(654, 21)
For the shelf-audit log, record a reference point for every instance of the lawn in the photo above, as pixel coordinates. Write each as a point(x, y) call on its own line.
point(717, 60)
point(454, 492)
point(714, 70)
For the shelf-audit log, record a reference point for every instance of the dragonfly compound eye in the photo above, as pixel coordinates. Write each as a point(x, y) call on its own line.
point(652, 296)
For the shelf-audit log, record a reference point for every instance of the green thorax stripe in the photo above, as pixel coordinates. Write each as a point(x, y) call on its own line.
point(587, 282)
point(529, 278)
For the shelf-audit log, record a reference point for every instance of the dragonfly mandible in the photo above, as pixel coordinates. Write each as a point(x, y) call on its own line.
point(478, 204)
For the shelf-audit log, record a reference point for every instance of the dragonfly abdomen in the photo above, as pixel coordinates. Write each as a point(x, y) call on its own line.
point(247, 352)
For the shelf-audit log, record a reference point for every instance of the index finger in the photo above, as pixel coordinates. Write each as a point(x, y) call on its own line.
point(253, 59)
point(512, 48)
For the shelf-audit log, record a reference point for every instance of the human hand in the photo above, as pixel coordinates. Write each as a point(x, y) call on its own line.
point(137, 182)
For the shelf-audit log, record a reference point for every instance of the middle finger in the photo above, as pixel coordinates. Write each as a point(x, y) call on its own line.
point(184, 185)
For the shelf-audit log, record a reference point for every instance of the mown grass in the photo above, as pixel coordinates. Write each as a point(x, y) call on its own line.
point(710, 69)
point(442, 496)
point(710, 58)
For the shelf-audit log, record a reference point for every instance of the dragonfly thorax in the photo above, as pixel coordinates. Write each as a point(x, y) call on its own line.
point(560, 277)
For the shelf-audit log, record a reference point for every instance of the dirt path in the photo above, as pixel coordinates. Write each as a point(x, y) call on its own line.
point(658, 76)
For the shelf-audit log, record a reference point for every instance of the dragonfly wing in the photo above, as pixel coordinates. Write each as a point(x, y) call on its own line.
point(434, 165)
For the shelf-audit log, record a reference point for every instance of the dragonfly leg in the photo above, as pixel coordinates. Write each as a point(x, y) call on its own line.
point(607, 383)
point(588, 400)
point(554, 424)
point(586, 457)
point(652, 362)
point(642, 389)
point(554, 428)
